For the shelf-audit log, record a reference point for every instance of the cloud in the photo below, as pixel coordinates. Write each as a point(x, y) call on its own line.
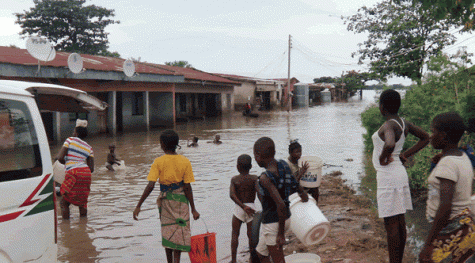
point(9, 27)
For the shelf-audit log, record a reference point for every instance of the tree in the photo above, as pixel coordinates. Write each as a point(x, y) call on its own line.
point(324, 80)
point(180, 63)
point(461, 10)
point(401, 37)
point(355, 80)
point(71, 26)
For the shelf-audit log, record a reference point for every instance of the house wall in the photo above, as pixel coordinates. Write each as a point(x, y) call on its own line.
point(197, 89)
point(227, 102)
point(68, 123)
point(130, 121)
point(243, 94)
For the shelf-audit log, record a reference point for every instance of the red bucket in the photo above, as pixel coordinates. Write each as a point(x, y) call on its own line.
point(203, 248)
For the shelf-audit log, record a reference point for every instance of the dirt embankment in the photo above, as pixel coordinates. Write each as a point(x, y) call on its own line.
point(356, 235)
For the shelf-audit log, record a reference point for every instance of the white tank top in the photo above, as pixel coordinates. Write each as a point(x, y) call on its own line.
point(394, 174)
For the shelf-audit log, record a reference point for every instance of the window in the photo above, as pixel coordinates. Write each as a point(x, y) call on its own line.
point(137, 103)
point(73, 116)
point(19, 149)
point(182, 98)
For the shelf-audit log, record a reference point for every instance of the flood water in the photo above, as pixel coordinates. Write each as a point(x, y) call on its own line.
point(109, 234)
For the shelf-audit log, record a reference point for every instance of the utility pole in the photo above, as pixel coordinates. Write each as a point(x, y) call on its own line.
point(289, 97)
point(342, 82)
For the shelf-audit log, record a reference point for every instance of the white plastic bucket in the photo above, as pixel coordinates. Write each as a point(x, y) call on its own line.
point(59, 172)
point(307, 222)
point(313, 177)
point(303, 258)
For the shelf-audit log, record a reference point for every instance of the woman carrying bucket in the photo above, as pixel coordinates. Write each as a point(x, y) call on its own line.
point(175, 175)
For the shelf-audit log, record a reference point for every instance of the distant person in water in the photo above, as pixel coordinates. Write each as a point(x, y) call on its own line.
point(247, 109)
point(217, 140)
point(111, 158)
point(194, 142)
point(393, 192)
point(243, 193)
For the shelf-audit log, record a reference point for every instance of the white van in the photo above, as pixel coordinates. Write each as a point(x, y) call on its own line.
point(27, 200)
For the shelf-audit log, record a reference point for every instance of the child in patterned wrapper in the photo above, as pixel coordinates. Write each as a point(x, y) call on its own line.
point(174, 173)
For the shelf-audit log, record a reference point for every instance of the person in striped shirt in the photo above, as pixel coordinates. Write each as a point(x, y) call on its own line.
point(78, 158)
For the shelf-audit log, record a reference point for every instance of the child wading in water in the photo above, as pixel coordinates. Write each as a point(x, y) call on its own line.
point(175, 175)
point(111, 158)
point(393, 193)
point(243, 193)
point(194, 142)
point(276, 184)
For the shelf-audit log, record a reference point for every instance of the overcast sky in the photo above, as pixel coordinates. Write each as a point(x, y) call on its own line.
point(241, 37)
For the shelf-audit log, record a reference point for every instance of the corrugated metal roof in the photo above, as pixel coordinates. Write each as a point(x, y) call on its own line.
point(21, 56)
point(194, 74)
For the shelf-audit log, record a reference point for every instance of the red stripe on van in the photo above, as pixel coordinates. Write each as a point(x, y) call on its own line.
point(11, 216)
point(28, 201)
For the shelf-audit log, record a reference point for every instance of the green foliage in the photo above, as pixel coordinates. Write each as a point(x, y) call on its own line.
point(461, 10)
point(451, 89)
point(353, 80)
point(371, 120)
point(179, 63)
point(324, 80)
point(70, 25)
point(401, 37)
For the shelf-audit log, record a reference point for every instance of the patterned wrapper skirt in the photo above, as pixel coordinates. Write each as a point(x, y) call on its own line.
point(175, 219)
point(456, 242)
point(76, 186)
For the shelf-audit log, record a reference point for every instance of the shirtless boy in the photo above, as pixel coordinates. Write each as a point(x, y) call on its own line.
point(217, 140)
point(111, 158)
point(243, 193)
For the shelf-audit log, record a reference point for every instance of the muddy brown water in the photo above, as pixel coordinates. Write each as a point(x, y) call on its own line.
point(109, 234)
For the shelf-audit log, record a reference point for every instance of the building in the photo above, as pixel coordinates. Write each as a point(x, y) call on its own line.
point(153, 97)
point(202, 94)
point(264, 94)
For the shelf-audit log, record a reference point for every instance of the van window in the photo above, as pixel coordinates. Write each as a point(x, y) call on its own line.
point(19, 149)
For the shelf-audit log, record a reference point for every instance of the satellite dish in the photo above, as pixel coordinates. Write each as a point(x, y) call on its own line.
point(75, 63)
point(40, 48)
point(129, 68)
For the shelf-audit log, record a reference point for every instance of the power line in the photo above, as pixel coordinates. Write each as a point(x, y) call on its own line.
point(268, 65)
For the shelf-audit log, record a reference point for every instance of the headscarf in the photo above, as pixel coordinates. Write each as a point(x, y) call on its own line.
point(81, 123)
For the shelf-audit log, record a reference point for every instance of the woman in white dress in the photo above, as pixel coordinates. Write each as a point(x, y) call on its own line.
point(393, 193)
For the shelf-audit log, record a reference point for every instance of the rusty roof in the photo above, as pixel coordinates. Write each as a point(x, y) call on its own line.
point(194, 74)
point(20, 56)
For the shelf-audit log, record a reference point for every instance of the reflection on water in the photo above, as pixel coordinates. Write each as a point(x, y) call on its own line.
point(332, 132)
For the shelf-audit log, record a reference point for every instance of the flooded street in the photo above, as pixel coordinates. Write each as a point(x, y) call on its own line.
point(109, 234)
